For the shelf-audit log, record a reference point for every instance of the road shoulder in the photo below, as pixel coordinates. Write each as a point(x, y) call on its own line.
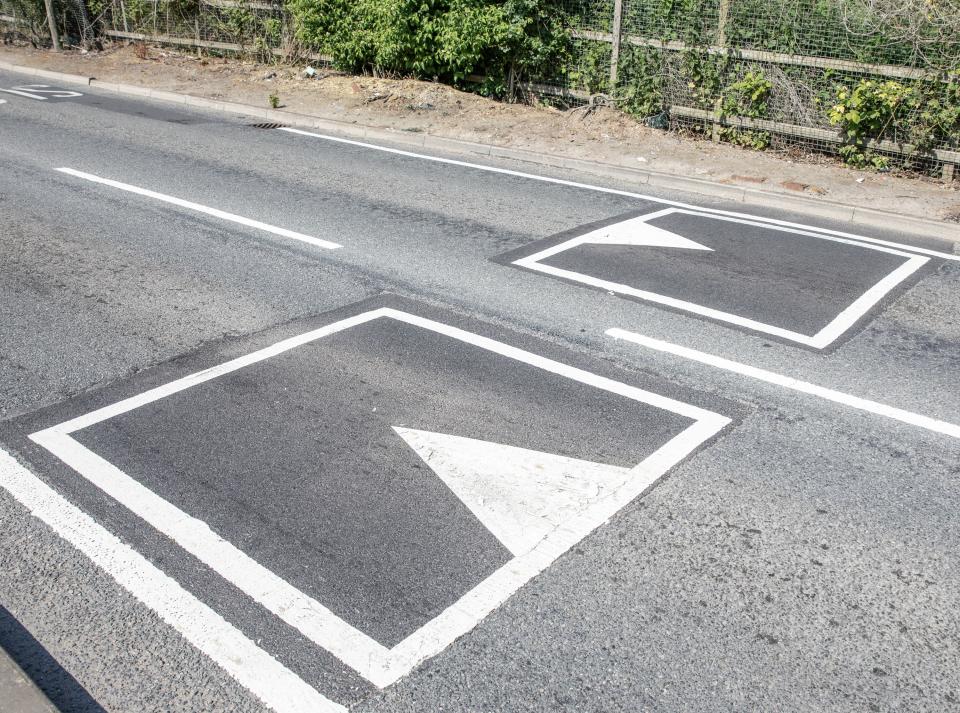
point(601, 147)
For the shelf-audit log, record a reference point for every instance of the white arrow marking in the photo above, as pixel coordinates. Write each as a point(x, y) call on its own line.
point(637, 231)
point(36, 91)
point(520, 495)
point(24, 94)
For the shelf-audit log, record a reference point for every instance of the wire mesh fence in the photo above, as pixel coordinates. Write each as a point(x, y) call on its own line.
point(258, 28)
point(877, 81)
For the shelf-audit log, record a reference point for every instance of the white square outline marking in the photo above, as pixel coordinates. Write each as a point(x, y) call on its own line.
point(826, 336)
point(378, 664)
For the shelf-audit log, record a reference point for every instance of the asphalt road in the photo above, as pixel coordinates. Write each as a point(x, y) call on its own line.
point(305, 424)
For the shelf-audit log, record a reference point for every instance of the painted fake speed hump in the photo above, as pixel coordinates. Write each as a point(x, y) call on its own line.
point(804, 286)
point(379, 482)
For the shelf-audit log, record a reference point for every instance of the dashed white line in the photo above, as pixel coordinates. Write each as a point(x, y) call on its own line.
point(914, 419)
point(283, 232)
point(265, 677)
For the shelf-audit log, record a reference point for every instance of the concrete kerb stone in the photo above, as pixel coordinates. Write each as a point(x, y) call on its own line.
point(126, 89)
point(171, 97)
point(204, 103)
point(785, 201)
point(407, 138)
point(697, 185)
point(47, 74)
point(868, 217)
point(20, 693)
point(906, 223)
point(443, 143)
point(608, 170)
point(526, 156)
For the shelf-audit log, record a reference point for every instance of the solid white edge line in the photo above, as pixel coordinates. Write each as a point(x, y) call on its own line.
point(617, 192)
point(189, 205)
point(914, 419)
point(366, 656)
point(252, 667)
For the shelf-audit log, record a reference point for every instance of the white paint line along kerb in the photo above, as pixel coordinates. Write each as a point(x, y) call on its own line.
point(266, 678)
point(914, 419)
point(223, 215)
point(617, 192)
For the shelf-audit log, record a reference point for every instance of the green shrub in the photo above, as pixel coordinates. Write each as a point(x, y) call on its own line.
point(591, 69)
point(641, 81)
point(873, 111)
point(444, 39)
point(748, 98)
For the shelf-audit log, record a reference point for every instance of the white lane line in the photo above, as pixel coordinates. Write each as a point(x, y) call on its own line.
point(616, 192)
point(269, 680)
point(283, 232)
point(914, 419)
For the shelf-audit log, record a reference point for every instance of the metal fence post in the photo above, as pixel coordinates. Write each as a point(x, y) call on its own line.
point(722, 17)
point(615, 46)
point(52, 22)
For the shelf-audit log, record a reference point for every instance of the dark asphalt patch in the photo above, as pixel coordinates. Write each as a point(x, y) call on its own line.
point(294, 459)
point(782, 280)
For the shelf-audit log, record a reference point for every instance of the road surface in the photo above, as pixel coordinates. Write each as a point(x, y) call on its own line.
point(292, 422)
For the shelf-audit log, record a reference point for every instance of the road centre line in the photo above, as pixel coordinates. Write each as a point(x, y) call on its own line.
point(283, 232)
point(914, 419)
point(252, 667)
point(618, 192)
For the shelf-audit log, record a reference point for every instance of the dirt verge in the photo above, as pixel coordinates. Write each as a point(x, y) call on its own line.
point(602, 134)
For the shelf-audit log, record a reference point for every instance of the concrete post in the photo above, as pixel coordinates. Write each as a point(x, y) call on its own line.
point(615, 48)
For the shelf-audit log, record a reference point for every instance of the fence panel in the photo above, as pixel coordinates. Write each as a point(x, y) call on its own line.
point(751, 72)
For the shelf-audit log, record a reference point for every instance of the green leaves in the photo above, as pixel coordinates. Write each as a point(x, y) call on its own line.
point(923, 114)
point(444, 39)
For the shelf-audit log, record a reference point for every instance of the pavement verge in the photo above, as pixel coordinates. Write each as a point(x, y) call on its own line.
point(18, 691)
point(856, 215)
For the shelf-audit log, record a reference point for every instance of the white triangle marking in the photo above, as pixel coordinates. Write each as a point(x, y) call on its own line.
point(520, 495)
point(637, 231)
